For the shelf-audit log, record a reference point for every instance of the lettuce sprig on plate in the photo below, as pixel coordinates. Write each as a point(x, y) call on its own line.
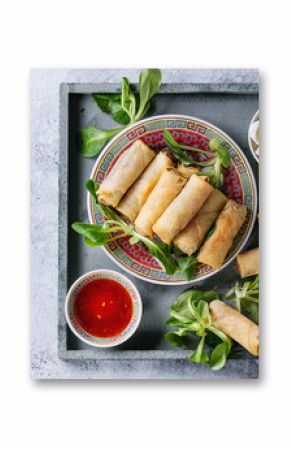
point(217, 159)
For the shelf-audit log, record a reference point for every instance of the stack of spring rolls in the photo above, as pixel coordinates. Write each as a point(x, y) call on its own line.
point(172, 203)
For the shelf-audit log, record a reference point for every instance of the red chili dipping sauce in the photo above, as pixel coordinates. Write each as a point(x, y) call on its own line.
point(103, 308)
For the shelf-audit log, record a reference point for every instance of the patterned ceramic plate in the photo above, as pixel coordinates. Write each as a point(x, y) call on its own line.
point(239, 184)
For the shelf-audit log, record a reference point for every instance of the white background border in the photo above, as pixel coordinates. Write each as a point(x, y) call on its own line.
point(144, 414)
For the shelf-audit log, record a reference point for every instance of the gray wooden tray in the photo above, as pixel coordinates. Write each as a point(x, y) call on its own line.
point(230, 106)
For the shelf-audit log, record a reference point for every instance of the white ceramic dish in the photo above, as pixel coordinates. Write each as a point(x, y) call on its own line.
point(80, 332)
point(252, 144)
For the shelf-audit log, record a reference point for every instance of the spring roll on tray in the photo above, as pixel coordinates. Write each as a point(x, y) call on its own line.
point(248, 263)
point(235, 325)
point(192, 236)
point(214, 250)
point(134, 199)
point(127, 169)
point(185, 206)
point(167, 188)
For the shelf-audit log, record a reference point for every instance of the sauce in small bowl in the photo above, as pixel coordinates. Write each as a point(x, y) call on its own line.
point(103, 308)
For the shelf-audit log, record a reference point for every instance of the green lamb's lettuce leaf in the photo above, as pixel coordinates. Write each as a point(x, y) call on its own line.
point(190, 314)
point(92, 140)
point(218, 356)
point(194, 357)
point(160, 251)
point(94, 235)
point(186, 265)
point(111, 104)
point(125, 108)
point(213, 167)
point(128, 99)
point(246, 297)
point(149, 83)
point(174, 339)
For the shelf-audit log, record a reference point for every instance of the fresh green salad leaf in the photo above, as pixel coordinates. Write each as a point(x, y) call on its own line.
point(190, 314)
point(149, 83)
point(128, 99)
point(125, 107)
point(160, 251)
point(92, 140)
point(111, 103)
point(174, 339)
point(218, 356)
point(246, 297)
point(186, 265)
point(95, 235)
point(220, 158)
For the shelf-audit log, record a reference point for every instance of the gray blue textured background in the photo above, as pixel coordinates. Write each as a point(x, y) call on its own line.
point(45, 362)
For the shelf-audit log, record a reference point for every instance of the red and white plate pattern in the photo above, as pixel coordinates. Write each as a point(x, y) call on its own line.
point(239, 185)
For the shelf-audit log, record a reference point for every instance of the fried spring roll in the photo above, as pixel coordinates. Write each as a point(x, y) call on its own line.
point(235, 325)
point(167, 188)
point(127, 169)
point(248, 263)
point(192, 236)
point(134, 199)
point(185, 206)
point(186, 171)
point(214, 250)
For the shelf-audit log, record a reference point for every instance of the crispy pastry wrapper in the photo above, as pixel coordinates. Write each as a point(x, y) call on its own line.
point(215, 248)
point(134, 199)
point(127, 169)
point(235, 325)
point(248, 263)
point(192, 236)
point(185, 206)
point(186, 171)
point(167, 188)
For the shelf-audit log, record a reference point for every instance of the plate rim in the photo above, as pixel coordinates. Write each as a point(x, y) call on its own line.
point(255, 197)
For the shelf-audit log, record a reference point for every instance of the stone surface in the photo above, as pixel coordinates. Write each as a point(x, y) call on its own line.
point(45, 363)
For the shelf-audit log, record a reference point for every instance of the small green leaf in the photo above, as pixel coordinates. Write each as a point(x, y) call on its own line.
point(173, 322)
point(202, 307)
point(196, 358)
point(218, 356)
point(104, 101)
point(91, 187)
point(224, 156)
point(173, 339)
point(133, 240)
point(92, 140)
point(161, 252)
point(246, 297)
point(214, 144)
point(187, 266)
point(204, 295)
point(128, 99)
point(119, 115)
point(94, 235)
point(111, 104)
point(149, 83)
point(179, 151)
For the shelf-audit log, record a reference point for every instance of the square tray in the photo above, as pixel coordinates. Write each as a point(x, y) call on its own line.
point(230, 106)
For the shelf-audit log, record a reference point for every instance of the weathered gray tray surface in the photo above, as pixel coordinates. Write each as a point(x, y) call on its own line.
point(229, 104)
